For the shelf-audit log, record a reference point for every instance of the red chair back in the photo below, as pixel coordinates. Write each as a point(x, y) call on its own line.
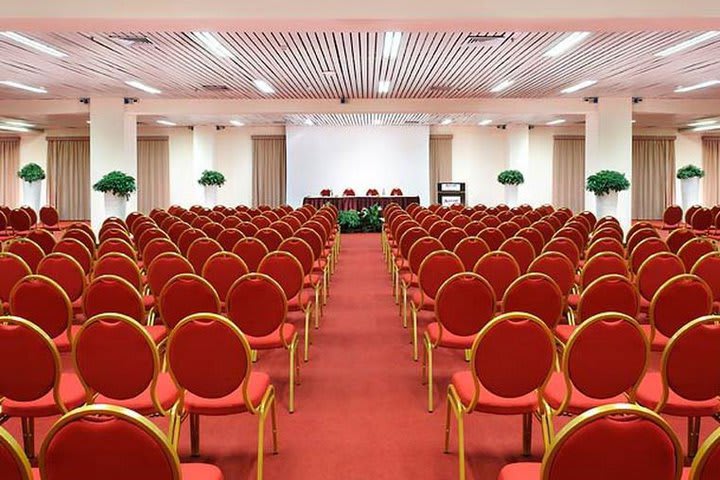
point(111, 294)
point(76, 250)
point(437, 228)
point(120, 265)
point(83, 237)
point(286, 270)
point(509, 229)
point(408, 239)
point(610, 293)
point(565, 246)
point(271, 238)
point(257, 305)
point(702, 220)
point(451, 237)
point(534, 237)
point(493, 237)
point(299, 249)
point(43, 238)
point(251, 250)
point(43, 302)
point(708, 268)
point(186, 294)
point(500, 269)
point(693, 249)
point(473, 228)
point(604, 263)
point(657, 270)
point(229, 237)
point(470, 250)
point(607, 232)
point(49, 216)
point(679, 301)
point(538, 294)
point(20, 220)
point(66, 271)
point(604, 245)
point(546, 229)
point(212, 229)
point(187, 238)
point(638, 236)
point(116, 245)
point(29, 251)
point(164, 267)
point(679, 237)
point(200, 250)
point(521, 250)
point(436, 269)
point(13, 270)
point(556, 266)
point(176, 230)
point(14, 464)
point(672, 215)
point(645, 250)
point(464, 304)
point(221, 270)
point(157, 247)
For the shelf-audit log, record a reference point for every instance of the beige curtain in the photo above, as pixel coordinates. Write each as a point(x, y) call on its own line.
point(569, 172)
point(440, 162)
point(711, 165)
point(269, 170)
point(153, 173)
point(9, 166)
point(653, 176)
point(69, 176)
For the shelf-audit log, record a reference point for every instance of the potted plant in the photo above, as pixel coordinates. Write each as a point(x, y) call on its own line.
point(211, 180)
point(117, 187)
point(32, 176)
point(689, 177)
point(606, 184)
point(512, 179)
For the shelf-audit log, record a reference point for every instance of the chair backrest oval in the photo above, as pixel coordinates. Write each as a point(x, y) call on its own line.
point(187, 238)
point(49, 216)
point(609, 293)
point(607, 232)
point(408, 239)
point(605, 244)
point(14, 465)
point(693, 249)
point(565, 246)
point(43, 238)
point(708, 268)
point(657, 270)
point(498, 268)
point(66, 271)
point(116, 245)
point(157, 247)
point(672, 215)
point(638, 226)
point(19, 220)
point(43, 302)
point(534, 237)
point(29, 251)
point(556, 266)
point(464, 304)
point(538, 294)
point(132, 218)
point(164, 267)
point(176, 230)
point(13, 270)
point(437, 228)
point(83, 237)
point(470, 250)
point(257, 305)
point(112, 294)
point(574, 235)
point(76, 250)
point(200, 250)
point(186, 294)
point(491, 220)
point(546, 229)
point(474, 227)
point(299, 249)
point(451, 237)
point(644, 250)
point(509, 229)
point(702, 219)
point(120, 265)
point(601, 264)
point(212, 229)
point(229, 237)
point(493, 236)
point(270, 237)
point(706, 464)
point(638, 236)
point(521, 250)
point(252, 250)
point(286, 270)
point(679, 237)
point(435, 269)
point(221, 270)
point(460, 221)
point(679, 301)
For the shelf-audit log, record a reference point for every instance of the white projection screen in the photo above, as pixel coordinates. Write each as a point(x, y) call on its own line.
point(360, 158)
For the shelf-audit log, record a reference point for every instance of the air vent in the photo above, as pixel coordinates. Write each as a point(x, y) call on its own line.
point(215, 88)
point(442, 88)
point(412, 122)
point(483, 41)
point(131, 40)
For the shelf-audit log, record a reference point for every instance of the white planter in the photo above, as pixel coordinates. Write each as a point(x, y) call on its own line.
point(690, 188)
point(31, 194)
point(511, 195)
point(115, 206)
point(211, 192)
point(606, 205)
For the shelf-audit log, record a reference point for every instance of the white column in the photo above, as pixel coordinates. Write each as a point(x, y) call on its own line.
point(203, 158)
point(608, 146)
point(518, 138)
point(113, 146)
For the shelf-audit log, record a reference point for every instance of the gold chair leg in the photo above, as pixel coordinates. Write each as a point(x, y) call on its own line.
point(527, 433)
point(28, 432)
point(447, 423)
point(273, 420)
point(307, 332)
point(318, 307)
point(461, 443)
point(429, 353)
point(404, 307)
point(291, 399)
point(261, 443)
point(693, 436)
point(194, 434)
point(414, 338)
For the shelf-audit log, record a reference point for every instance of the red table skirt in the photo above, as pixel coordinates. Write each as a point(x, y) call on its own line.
point(358, 203)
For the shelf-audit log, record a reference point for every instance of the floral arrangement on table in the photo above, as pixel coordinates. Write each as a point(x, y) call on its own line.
point(211, 177)
point(511, 177)
point(372, 192)
point(690, 171)
point(118, 183)
point(396, 192)
point(325, 192)
point(348, 192)
point(366, 220)
point(32, 172)
point(606, 181)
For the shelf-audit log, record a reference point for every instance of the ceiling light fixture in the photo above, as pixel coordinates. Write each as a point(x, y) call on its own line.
point(22, 86)
point(687, 43)
point(484, 123)
point(579, 86)
point(697, 86)
point(446, 121)
point(167, 123)
point(556, 122)
point(391, 44)
point(237, 123)
point(502, 86)
point(11, 128)
point(702, 123)
point(212, 44)
point(263, 86)
point(143, 87)
point(383, 86)
point(308, 122)
point(706, 128)
point(29, 42)
point(566, 44)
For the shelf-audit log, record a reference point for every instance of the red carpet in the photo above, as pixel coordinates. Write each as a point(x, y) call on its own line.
point(361, 409)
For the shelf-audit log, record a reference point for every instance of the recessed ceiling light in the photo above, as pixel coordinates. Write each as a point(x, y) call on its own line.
point(687, 43)
point(143, 87)
point(446, 121)
point(579, 86)
point(391, 44)
point(11, 128)
point(237, 123)
point(485, 122)
point(566, 44)
point(706, 128)
point(19, 123)
point(702, 123)
point(377, 121)
point(308, 122)
point(556, 122)
point(212, 44)
point(87, 121)
point(22, 86)
point(697, 86)
point(167, 123)
point(33, 44)
point(502, 86)
point(383, 86)
point(328, 73)
point(263, 86)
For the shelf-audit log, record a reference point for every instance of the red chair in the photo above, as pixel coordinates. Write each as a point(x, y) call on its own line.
point(464, 304)
point(653, 274)
point(401, 254)
point(164, 267)
point(644, 250)
point(221, 270)
point(638, 236)
point(702, 220)
point(212, 229)
point(83, 237)
point(688, 383)
point(251, 250)
point(693, 249)
point(136, 449)
point(14, 465)
point(200, 222)
point(68, 273)
point(248, 229)
point(157, 247)
point(434, 270)
point(672, 216)
point(200, 250)
point(229, 237)
point(521, 250)
point(13, 270)
point(708, 268)
point(76, 250)
point(231, 221)
point(679, 237)
point(261, 222)
point(546, 229)
point(538, 294)
point(29, 251)
point(473, 228)
point(498, 268)
point(578, 238)
point(604, 263)
point(184, 295)
point(470, 250)
point(257, 305)
point(565, 246)
point(176, 230)
point(271, 238)
point(322, 265)
point(187, 238)
point(49, 217)
point(31, 386)
point(620, 441)
point(607, 232)
point(437, 228)
point(488, 386)
point(451, 237)
point(679, 301)
point(300, 249)
point(534, 237)
point(556, 266)
point(120, 265)
point(43, 238)
point(284, 229)
point(116, 245)
point(706, 464)
point(509, 229)
point(605, 245)
point(419, 250)
point(493, 237)
point(20, 221)
point(460, 221)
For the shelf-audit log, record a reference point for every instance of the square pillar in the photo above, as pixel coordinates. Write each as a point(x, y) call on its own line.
point(518, 151)
point(203, 158)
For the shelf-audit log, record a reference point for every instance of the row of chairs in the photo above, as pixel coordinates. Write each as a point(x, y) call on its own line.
point(699, 218)
point(18, 221)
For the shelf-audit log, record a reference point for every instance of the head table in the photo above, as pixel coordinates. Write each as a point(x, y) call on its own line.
point(360, 202)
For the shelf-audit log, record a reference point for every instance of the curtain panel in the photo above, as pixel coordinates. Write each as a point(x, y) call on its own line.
point(153, 173)
point(711, 165)
point(569, 172)
point(9, 166)
point(653, 176)
point(69, 176)
point(440, 162)
point(269, 170)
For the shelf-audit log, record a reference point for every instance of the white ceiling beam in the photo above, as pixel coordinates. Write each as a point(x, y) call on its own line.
point(43, 107)
point(678, 106)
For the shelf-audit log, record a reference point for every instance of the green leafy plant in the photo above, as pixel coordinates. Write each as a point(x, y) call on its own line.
point(371, 219)
point(211, 177)
point(511, 177)
point(32, 172)
point(349, 221)
point(606, 181)
point(117, 183)
point(690, 171)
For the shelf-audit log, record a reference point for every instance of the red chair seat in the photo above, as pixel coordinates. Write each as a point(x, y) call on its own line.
point(409, 278)
point(520, 471)
point(273, 340)
point(71, 392)
point(425, 303)
point(311, 280)
point(62, 342)
point(166, 391)
point(489, 403)
point(300, 302)
point(658, 343)
point(77, 306)
point(563, 332)
point(232, 403)
point(555, 394)
point(573, 300)
point(644, 305)
point(149, 302)
point(157, 332)
point(448, 339)
point(650, 391)
point(200, 471)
